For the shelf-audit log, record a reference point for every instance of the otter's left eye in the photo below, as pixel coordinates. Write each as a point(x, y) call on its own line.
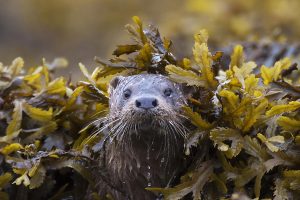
point(168, 92)
point(127, 93)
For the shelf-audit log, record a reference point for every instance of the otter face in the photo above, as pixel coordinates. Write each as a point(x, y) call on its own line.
point(145, 99)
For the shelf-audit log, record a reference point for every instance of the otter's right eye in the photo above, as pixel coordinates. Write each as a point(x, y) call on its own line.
point(127, 94)
point(168, 92)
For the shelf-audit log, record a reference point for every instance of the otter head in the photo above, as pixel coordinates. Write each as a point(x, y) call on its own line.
point(146, 102)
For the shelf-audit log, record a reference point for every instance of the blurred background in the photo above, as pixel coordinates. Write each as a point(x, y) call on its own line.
point(80, 30)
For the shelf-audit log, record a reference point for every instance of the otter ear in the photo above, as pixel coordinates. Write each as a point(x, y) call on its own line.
point(115, 82)
point(188, 91)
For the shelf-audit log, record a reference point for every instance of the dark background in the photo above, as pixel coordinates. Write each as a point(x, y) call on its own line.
point(80, 30)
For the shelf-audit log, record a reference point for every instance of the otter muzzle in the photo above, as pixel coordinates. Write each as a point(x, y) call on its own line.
point(146, 103)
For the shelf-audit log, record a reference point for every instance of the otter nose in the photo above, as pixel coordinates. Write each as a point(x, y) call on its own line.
point(146, 103)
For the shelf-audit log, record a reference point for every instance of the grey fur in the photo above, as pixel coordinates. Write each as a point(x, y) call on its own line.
point(144, 148)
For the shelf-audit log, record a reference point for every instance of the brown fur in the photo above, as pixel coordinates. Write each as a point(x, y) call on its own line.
point(142, 149)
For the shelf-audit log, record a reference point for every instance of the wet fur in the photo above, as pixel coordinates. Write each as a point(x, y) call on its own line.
point(136, 153)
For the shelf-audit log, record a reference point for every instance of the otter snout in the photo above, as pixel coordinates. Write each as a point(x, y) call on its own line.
point(146, 103)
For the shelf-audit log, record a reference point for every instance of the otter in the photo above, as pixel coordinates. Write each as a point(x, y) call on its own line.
point(145, 136)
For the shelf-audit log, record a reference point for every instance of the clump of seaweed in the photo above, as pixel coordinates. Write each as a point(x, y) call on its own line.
point(247, 117)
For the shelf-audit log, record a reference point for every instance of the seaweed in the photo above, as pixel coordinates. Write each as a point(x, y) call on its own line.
point(246, 115)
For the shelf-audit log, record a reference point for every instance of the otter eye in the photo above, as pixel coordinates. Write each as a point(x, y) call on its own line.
point(168, 92)
point(127, 93)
